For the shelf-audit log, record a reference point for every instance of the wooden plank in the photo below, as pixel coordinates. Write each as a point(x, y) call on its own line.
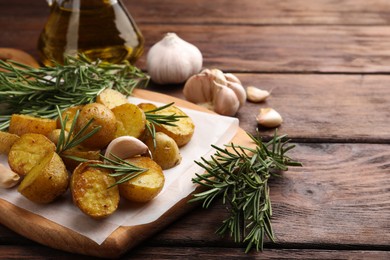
point(315, 107)
point(259, 12)
point(148, 252)
point(309, 49)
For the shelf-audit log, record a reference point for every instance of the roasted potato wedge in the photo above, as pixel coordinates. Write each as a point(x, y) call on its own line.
point(6, 141)
point(46, 181)
point(68, 113)
point(80, 152)
point(131, 120)
point(91, 192)
point(166, 153)
point(27, 151)
point(23, 124)
point(184, 129)
point(102, 117)
point(145, 186)
point(147, 106)
point(111, 98)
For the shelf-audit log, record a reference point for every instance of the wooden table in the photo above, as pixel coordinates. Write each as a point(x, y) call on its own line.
point(327, 63)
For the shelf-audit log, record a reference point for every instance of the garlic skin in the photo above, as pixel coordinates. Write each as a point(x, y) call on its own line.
point(269, 117)
point(126, 147)
point(8, 178)
point(211, 89)
point(257, 95)
point(173, 60)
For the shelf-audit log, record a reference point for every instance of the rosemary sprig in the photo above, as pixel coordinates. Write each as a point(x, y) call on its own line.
point(66, 142)
point(160, 119)
point(240, 175)
point(37, 91)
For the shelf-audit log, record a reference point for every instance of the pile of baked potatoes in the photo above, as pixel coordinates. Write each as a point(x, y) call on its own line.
point(45, 174)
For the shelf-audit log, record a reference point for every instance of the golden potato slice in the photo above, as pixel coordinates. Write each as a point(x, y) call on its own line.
point(147, 106)
point(46, 181)
point(131, 120)
point(102, 117)
point(184, 129)
point(70, 112)
point(91, 192)
point(6, 141)
point(24, 124)
point(80, 152)
point(145, 186)
point(27, 151)
point(166, 153)
point(111, 98)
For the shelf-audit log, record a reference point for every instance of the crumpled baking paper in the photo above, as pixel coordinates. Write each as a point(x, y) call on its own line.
point(209, 129)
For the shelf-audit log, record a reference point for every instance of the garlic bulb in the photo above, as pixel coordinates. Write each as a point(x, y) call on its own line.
point(269, 117)
point(173, 60)
point(217, 91)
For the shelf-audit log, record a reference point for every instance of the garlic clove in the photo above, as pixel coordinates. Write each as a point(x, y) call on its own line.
point(257, 95)
point(198, 89)
point(232, 78)
point(269, 117)
point(173, 60)
point(218, 76)
point(225, 101)
point(126, 147)
point(8, 178)
point(239, 90)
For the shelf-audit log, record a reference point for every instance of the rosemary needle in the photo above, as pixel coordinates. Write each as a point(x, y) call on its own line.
point(37, 91)
point(240, 175)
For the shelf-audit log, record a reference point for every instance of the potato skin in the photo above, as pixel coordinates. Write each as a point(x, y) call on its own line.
point(166, 153)
point(23, 124)
point(184, 129)
point(70, 112)
point(27, 151)
point(46, 181)
point(6, 141)
point(102, 116)
point(145, 186)
point(90, 193)
point(131, 120)
point(81, 152)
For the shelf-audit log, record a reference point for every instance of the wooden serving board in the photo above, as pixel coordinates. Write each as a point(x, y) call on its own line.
point(122, 239)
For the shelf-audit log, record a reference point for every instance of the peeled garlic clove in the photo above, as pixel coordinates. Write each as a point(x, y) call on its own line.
point(126, 147)
point(256, 95)
point(269, 117)
point(173, 60)
point(225, 101)
point(8, 178)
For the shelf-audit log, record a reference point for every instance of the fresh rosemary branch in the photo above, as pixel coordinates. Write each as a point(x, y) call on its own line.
point(160, 119)
point(36, 91)
point(240, 174)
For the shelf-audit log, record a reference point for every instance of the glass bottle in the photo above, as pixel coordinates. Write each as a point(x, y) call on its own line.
point(97, 28)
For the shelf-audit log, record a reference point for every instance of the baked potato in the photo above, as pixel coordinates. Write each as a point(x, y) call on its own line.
point(145, 186)
point(80, 152)
point(131, 120)
point(166, 153)
point(27, 151)
point(93, 191)
point(23, 124)
point(46, 181)
point(184, 129)
point(70, 114)
point(6, 141)
point(111, 98)
point(147, 106)
point(102, 117)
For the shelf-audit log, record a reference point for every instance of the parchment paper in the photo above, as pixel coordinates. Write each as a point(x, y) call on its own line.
point(209, 129)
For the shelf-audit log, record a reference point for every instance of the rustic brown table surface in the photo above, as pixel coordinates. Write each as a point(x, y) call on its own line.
point(327, 63)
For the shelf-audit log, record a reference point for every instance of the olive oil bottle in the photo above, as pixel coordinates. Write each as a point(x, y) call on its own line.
point(100, 29)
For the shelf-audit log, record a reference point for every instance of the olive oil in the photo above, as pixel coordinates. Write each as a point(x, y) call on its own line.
point(96, 28)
